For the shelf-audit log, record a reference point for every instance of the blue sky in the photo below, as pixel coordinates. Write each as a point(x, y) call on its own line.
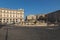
point(32, 6)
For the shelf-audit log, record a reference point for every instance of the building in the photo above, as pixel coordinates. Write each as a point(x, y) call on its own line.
point(41, 17)
point(31, 19)
point(11, 16)
point(54, 17)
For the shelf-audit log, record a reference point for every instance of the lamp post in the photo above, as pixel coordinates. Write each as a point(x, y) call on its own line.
point(56, 18)
point(6, 37)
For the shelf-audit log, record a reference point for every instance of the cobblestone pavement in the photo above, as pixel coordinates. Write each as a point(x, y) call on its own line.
point(27, 33)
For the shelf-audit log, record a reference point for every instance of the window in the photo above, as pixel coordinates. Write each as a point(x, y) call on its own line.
point(21, 16)
point(16, 15)
point(14, 11)
point(0, 21)
point(3, 19)
point(9, 11)
point(18, 12)
point(6, 11)
point(20, 19)
point(2, 10)
point(13, 19)
point(16, 21)
point(7, 19)
point(10, 19)
point(5, 15)
point(11, 15)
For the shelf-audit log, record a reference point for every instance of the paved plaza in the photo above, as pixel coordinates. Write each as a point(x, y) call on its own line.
point(29, 33)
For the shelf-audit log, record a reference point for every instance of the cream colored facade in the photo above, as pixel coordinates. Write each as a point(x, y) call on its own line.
point(35, 17)
point(11, 16)
point(31, 17)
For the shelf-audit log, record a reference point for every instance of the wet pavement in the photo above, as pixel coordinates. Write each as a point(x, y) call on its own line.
point(29, 33)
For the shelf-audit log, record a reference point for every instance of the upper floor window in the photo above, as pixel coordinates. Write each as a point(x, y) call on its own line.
point(18, 12)
point(2, 10)
point(6, 11)
point(14, 11)
point(9, 11)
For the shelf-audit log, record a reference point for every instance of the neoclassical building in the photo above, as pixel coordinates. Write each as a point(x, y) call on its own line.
point(11, 16)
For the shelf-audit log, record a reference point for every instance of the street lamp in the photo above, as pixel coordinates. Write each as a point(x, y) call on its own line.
point(6, 37)
point(56, 18)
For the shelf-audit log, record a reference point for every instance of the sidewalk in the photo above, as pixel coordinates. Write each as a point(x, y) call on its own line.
point(43, 24)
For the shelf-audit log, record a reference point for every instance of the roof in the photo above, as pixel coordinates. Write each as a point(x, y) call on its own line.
point(12, 9)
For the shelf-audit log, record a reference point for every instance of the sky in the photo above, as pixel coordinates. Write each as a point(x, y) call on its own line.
point(32, 6)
